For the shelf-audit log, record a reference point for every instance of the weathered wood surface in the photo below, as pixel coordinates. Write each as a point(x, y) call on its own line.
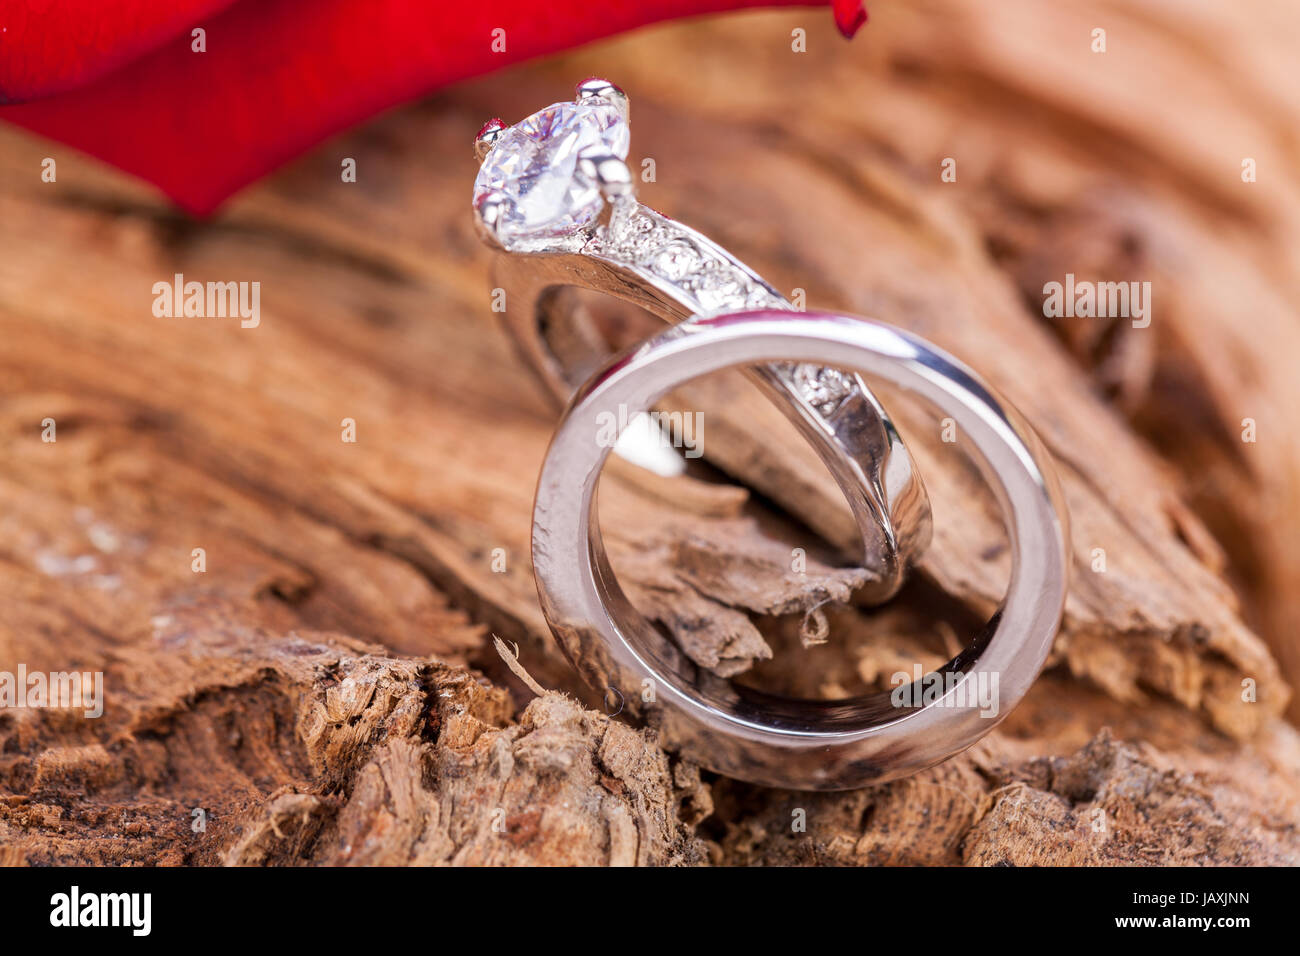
point(309, 690)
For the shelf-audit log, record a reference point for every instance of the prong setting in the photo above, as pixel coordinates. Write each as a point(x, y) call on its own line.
point(608, 172)
point(488, 219)
point(595, 88)
point(487, 137)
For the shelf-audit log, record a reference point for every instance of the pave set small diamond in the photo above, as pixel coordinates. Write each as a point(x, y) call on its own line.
point(544, 204)
point(646, 240)
point(643, 239)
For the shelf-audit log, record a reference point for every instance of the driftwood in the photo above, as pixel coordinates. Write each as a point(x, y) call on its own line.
point(327, 690)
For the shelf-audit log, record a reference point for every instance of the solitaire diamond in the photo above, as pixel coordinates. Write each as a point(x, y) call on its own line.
point(533, 174)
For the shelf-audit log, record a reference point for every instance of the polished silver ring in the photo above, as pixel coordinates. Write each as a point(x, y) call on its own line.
point(555, 196)
point(745, 733)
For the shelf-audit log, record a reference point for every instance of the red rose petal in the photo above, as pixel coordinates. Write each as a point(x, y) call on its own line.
point(277, 77)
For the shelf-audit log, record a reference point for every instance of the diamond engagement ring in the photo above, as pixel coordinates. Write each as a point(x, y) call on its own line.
point(554, 195)
point(746, 733)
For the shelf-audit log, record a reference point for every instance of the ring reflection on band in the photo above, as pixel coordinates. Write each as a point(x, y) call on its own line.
point(742, 732)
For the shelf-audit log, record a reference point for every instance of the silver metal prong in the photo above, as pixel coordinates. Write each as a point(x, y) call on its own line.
point(594, 88)
point(610, 173)
point(487, 218)
point(487, 137)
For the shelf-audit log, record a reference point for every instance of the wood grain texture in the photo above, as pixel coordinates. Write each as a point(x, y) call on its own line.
point(327, 691)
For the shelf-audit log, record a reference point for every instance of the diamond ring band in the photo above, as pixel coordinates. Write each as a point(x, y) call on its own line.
point(554, 197)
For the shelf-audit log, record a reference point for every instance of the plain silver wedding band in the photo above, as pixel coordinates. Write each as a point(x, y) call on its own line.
point(747, 734)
